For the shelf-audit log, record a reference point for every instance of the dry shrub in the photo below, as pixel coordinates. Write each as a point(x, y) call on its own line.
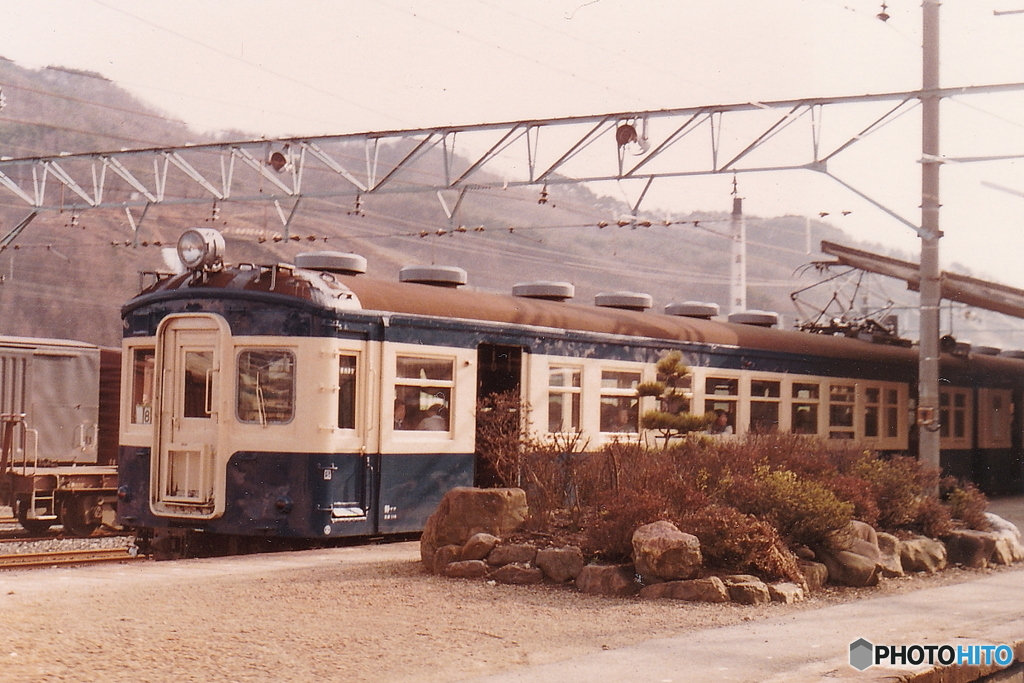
point(733, 541)
point(966, 503)
point(609, 532)
point(803, 511)
point(743, 498)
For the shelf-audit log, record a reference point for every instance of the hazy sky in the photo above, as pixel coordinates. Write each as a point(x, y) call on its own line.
point(307, 67)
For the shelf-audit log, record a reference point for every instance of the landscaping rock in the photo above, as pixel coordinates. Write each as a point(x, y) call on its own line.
point(512, 553)
point(466, 569)
point(815, 574)
point(560, 564)
point(1008, 545)
point(786, 593)
point(711, 589)
point(517, 574)
point(662, 552)
point(444, 556)
point(889, 563)
point(851, 555)
point(479, 546)
point(607, 579)
point(747, 590)
point(923, 555)
point(465, 511)
point(970, 548)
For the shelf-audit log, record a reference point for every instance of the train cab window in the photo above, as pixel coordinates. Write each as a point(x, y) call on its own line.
point(423, 393)
point(347, 392)
point(805, 408)
point(765, 397)
point(266, 386)
point(620, 408)
point(564, 390)
point(722, 393)
point(197, 377)
point(841, 399)
point(143, 364)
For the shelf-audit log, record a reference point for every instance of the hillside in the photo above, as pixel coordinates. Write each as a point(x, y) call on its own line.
point(68, 274)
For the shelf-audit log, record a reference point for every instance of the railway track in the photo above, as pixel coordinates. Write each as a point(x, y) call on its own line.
point(65, 557)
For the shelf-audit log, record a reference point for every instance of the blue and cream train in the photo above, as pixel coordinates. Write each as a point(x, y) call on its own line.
point(311, 401)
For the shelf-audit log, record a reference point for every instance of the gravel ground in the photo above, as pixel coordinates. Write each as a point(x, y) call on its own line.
point(365, 614)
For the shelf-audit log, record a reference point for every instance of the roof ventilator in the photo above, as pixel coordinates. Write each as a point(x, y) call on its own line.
point(437, 276)
point(544, 289)
point(755, 318)
point(341, 263)
point(693, 309)
point(629, 301)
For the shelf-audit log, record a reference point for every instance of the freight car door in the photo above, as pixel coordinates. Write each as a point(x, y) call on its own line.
point(185, 472)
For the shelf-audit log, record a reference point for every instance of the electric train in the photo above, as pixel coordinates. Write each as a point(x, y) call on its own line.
point(312, 401)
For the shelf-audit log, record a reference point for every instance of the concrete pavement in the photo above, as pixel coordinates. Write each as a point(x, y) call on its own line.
point(814, 645)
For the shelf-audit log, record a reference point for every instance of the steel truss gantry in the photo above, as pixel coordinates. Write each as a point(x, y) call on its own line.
point(639, 146)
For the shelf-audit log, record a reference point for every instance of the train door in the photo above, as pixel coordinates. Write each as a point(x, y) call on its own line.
point(499, 383)
point(189, 361)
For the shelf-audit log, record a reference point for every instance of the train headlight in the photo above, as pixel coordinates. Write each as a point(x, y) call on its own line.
point(201, 249)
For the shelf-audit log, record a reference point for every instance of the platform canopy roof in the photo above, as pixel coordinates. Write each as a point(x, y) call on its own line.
point(990, 296)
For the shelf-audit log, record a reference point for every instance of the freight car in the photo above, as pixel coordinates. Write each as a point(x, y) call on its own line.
point(58, 433)
point(311, 401)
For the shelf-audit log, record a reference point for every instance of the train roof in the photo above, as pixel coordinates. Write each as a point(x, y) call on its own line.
point(333, 293)
point(40, 343)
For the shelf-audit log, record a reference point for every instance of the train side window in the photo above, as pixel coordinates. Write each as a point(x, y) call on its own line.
point(872, 411)
point(892, 413)
point(841, 398)
point(266, 386)
point(805, 408)
point(620, 408)
point(564, 391)
point(722, 393)
point(423, 393)
point(143, 365)
point(954, 418)
point(765, 396)
point(347, 392)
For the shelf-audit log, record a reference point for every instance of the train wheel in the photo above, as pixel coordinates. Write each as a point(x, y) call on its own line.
point(33, 526)
point(75, 515)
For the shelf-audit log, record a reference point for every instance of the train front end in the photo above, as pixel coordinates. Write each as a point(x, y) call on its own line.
point(249, 407)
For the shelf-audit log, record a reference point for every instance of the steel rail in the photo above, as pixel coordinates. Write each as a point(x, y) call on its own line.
point(65, 557)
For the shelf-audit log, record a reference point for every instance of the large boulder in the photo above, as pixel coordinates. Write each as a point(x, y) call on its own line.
point(1008, 545)
point(560, 564)
point(815, 574)
point(970, 548)
point(923, 554)
point(517, 574)
point(661, 552)
point(889, 562)
point(512, 553)
point(851, 555)
point(465, 511)
point(711, 589)
point(607, 579)
point(747, 590)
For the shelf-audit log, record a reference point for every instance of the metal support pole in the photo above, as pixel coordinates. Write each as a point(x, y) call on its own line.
point(738, 269)
point(928, 373)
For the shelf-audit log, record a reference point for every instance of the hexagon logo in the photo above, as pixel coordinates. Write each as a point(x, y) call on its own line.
point(861, 654)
